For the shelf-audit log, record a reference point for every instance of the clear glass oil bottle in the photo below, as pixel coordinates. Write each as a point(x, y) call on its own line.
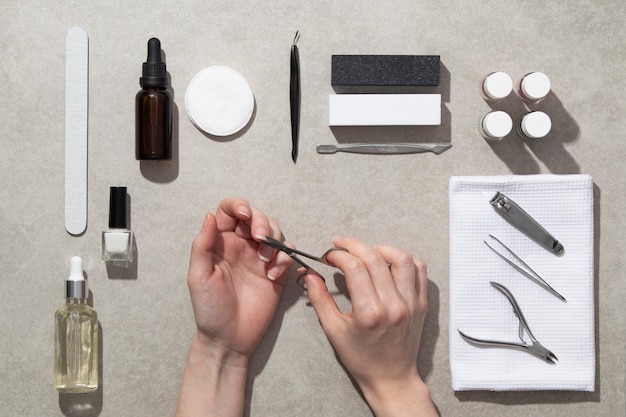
point(76, 337)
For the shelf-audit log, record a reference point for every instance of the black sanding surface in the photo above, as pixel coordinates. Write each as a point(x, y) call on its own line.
point(385, 70)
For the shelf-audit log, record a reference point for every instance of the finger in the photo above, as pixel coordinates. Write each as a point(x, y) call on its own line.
point(323, 303)
point(403, 270)
point(230, 212)
point(266, 253)
point(358, 280)
point(421, 283)
point(201, 257)
point(378, 269)
point(277, 268)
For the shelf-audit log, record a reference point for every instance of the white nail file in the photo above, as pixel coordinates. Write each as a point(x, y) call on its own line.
point(76, 108)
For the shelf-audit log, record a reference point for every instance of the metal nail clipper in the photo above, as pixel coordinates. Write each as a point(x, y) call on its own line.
point(522, 266)
point(522, 220)
point(535, 348)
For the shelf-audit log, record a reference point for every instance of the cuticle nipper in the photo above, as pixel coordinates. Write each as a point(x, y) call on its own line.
point(535, 348)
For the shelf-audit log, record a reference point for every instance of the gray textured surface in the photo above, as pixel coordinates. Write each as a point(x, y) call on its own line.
point(145, 316)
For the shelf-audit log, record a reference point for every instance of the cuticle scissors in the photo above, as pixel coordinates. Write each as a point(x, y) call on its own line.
point(278, 245)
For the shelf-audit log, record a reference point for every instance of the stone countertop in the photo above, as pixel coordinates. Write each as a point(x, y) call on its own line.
point(145, 313)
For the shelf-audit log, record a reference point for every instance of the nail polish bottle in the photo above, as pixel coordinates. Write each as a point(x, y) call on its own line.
point(117, 241)
point(534, 125)
point(496, 86)
point(76, 337)
point(495, 125)
point(534, 87)
point(153, 108)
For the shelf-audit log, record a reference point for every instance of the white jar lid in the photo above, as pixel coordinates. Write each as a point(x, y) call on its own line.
point(497, 85)
point(219, 101)
point(535, 85)
point(497, 124)
point(536, 124)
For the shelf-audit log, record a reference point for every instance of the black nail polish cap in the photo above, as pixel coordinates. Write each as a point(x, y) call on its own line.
point(117, 208)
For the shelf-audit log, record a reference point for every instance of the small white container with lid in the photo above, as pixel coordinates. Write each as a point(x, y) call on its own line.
point(534, 87)
point(496, 86)
point(535, 125)
point(495, 125)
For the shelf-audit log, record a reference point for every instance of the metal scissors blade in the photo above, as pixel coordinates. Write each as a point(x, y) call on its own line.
point(278, 245)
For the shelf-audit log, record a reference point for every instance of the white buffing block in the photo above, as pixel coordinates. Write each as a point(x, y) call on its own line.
point(384, 109)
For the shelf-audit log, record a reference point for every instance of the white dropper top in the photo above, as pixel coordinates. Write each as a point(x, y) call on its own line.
point(75, 285)
point(76, 269)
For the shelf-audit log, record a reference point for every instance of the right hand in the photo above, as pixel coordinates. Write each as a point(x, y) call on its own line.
point(378, 341)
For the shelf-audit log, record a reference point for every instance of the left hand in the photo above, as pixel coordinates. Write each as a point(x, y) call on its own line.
point(234, 281)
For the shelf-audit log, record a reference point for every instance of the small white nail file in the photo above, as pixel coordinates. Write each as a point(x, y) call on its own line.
point(384, 109)
point(76, 111)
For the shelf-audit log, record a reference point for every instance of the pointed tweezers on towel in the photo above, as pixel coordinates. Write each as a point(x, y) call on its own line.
point(522, 267)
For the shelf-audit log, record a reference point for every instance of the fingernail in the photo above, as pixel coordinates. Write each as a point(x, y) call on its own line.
point(265, 253)
point(243, 210)
point(274, 273)
point(205, 222)
point(261, 233)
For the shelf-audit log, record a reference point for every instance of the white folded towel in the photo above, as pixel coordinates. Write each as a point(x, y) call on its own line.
point(563, 205)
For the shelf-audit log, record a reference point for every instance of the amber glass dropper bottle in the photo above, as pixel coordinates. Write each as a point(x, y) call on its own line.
point(153, 108)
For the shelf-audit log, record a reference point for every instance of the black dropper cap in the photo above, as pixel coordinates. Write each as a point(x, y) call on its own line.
point(154, 73)
point(117, 208)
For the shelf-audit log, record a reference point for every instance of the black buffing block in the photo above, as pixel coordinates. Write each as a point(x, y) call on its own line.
point(385, 70)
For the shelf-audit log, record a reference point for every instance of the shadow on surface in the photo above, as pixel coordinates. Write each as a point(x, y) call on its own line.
point(261, 355)
point(521, 155)
point(430, 332)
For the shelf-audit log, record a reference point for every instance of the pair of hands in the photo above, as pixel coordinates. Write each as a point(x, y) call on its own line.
point(236, 283)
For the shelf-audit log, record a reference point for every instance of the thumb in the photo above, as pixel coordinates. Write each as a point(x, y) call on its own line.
point(201, 258)
point(322, 302)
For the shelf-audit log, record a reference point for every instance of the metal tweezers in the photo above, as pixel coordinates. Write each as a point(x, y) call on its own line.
point(535, 348)
point(294, 96)
point(522, 267)
point(278, 245)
